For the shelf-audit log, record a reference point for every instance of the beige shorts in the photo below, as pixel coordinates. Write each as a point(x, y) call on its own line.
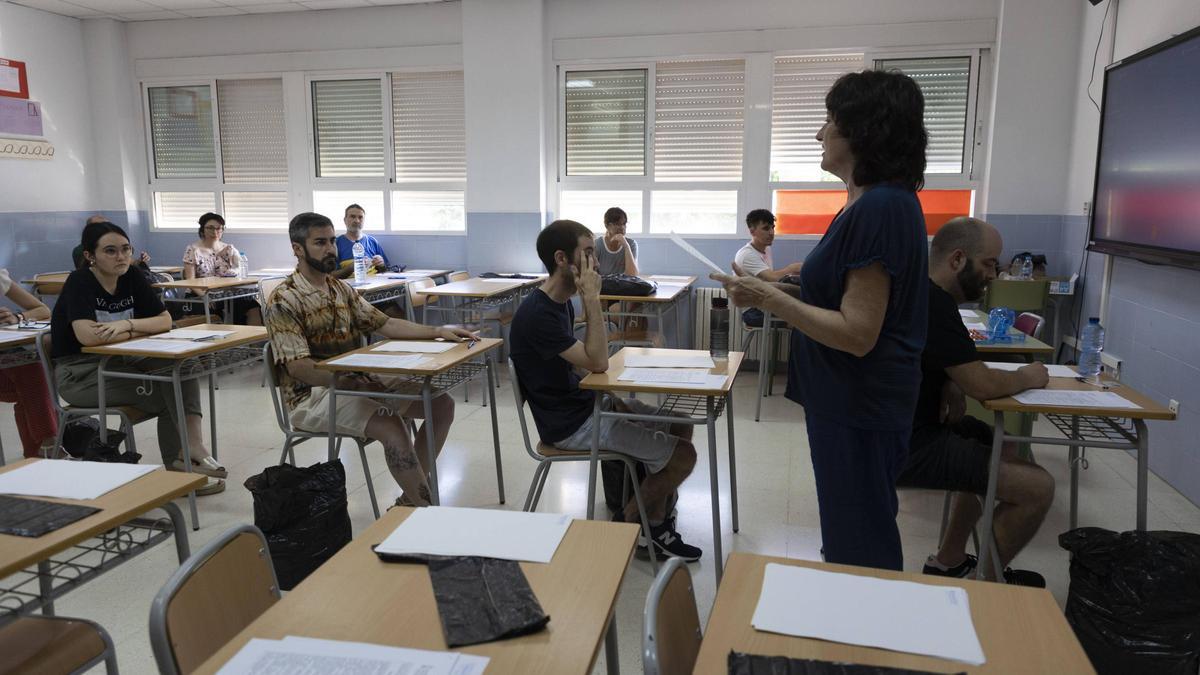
point(353, 412)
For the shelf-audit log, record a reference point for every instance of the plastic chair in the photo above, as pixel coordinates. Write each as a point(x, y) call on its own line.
point(1019, 295)
point(459, 276)
point(1030, 324)
point(671, 625)
point(766, 371)
point(547, 455)
point(213, 595)
point(417, 300)
point(293, 437)
point(55, 644)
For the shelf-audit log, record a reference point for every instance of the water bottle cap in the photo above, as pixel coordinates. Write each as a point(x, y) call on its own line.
point(720, 303)
point(1094, 319)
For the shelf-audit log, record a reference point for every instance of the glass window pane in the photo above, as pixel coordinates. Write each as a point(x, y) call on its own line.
point(588, 207)
point(256, 210)
point(348, 121)
point(606, 123)
point(181, 132)
point(694, 211)
point(253, 140)
point(811, 211)
point(429, 126)
point(440, 211)
point(181, 209)
point(698, 120)
point(333, 203)
point(945, 83)
point(798, 112)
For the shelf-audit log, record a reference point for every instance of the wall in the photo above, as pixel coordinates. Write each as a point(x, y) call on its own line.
point(1154, 313)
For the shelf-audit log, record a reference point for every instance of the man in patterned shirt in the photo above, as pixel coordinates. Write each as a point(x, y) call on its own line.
point(311, 316)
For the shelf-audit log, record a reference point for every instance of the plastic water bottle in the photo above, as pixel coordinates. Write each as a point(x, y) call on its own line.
point(1000, 319)
point(718, 328)
point(1091, 344)
point(1027, 268)
point(360, 263)
point(243, 266)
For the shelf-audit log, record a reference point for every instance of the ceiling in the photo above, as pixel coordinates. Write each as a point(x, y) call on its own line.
point(156, 10)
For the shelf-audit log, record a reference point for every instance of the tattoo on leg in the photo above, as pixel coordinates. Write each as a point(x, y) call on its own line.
point(401, 459)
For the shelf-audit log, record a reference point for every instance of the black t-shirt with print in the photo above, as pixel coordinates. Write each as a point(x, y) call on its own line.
point(83, 298)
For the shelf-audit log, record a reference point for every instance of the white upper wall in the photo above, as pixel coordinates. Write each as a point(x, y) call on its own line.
point(52, 48)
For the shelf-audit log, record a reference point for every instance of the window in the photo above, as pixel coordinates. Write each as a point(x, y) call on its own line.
point(430, 139)
point(588, 207)
point(693, 211)
point(332, 204)
point(811, 211)
point(431, 211)
point(698, 108)
point(348, 127)
point(181, 210)
point(181, 130)
point(798, 112)
point(945, 83)
point(605, 123)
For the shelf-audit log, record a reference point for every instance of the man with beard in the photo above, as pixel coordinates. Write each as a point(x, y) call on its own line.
point(311, 316)
point(950, 451)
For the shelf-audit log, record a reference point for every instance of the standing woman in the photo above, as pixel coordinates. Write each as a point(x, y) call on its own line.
point(37, 424)
point(211, 257)
point(108, 301)
point(858, 317)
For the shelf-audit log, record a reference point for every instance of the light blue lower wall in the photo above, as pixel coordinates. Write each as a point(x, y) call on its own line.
point(34, 242)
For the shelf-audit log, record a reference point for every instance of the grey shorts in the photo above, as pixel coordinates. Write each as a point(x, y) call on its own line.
point(648, 442)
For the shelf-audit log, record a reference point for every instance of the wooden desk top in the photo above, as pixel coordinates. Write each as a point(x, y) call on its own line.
point(166, 269)
point(422, 273)
point(126, 502)
point(476, 288)
point(273, 272)
point(355, 596)
point(1030, 345)
point(19, 338)
point(668, 289)
point(376, 283)
point(207, 283)
point(1022, 630)
point(49, 283)
point(434, 363)
point(1150, 410)
point(607, 381)
point(242, 335)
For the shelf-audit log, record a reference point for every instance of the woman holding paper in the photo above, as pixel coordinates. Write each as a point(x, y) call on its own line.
point(859, 315)
point(37, 425)
point(106, 302)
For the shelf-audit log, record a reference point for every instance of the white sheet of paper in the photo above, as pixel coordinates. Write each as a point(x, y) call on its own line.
point(311, 656)
point(504, 281)
point(380, 360)
point(968, 314)
point(508, 535)
point(697, 360)
point(28, 326)
point(670, 279)
point(664, 375)
point(1053, 370)
point(1075, 399)
point(191, 334)
point(414, 347)
point(13, 336)
point(975, 325)
point(902, 616)
point(462, 664)
point(10, 78)
point(163, 346)
point(697, 254)
point(68, 479)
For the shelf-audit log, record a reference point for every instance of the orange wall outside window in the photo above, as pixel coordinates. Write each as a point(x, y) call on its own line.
point(811, 211)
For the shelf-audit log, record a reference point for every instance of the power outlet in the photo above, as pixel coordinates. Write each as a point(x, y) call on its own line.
point(1174, 406)
point(1087, 208)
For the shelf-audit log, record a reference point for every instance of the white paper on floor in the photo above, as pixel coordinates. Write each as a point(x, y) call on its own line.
point(1075, 399)
point(67, 479)
point(902, 616)
point(313, 656)
point(508, 535)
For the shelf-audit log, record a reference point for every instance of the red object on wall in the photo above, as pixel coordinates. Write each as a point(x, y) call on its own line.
point(13, 81)
point(811, 211)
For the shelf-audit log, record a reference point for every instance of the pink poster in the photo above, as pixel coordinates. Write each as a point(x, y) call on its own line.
point(18, 116)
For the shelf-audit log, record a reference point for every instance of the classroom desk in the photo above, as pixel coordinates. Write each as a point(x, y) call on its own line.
point(1115, 428)
point(16, 349)
point(355, 596)
point(418, 273)
point(440, 373)
point(477, 300)
point(682, 405)
point(35, 571)
point(206, 359)
point(1022, 630)
point(215, 289)
point(1029, 347)
point(667, 297)
point(379, 289)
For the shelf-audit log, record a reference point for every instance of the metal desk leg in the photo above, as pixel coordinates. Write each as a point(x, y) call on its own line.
point(45, 587)
point(662, 328)
point(1143, 468)
point(491, 376)
point(332, 414)
point(711, 424)
point(612, 655)
point(732, 459)
point(595, 459)
point(1073, 459)
point(207, 310)
point(182, 548)
point(184, 446)
point(430, 452)
point(100, 402)
point(212, 415)
point(989, 501)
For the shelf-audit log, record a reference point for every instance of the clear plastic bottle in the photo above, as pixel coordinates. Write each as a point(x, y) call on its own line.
point(1091, 343)
point(243, 266)
point(718, 328)
point(360, 263)
point(1027, 268)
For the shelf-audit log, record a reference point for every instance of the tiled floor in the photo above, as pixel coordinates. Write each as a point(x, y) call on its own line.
point(778, 502)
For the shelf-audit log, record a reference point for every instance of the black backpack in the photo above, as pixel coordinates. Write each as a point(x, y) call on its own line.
point(626, 284)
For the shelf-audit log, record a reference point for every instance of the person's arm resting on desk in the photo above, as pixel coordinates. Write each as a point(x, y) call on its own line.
point(982, 383)
point(91, 333)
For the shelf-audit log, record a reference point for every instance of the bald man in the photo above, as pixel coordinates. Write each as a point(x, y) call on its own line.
point(950, 451)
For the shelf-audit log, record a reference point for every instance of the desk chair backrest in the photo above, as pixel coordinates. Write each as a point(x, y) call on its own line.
point(459, 276)
point(1019, 295)
point(267, 286)
point(671, 624)
point(415, 299)
point(213, 595)
point(1030, 324)
point(520, 401)
point(281, 415)
point(45, 351)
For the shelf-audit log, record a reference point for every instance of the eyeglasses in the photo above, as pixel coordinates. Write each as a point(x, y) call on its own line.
point(210, 228)
point(114, 252)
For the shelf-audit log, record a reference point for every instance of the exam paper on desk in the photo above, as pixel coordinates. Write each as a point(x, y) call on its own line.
point(1075, 399)
point(414, 347)
point(1051, 369)
point(508, 535)
point(313, 656)
point(67, 479)
point(379, 360)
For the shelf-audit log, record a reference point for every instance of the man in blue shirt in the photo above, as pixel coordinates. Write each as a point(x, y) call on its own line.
point(376, 259)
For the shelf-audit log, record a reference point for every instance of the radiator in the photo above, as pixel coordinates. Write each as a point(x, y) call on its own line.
point(737, 330)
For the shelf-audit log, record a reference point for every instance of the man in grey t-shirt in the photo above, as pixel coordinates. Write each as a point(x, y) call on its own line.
point(616, 253)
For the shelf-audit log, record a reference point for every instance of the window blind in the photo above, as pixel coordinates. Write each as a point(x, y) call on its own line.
point(606, 122)
point(253, 140)
point(945, 83)
point(181, 209)
point(798, 112)
point(429, 126)
point(698, 120)
point(260, 210)
point(348, 121)
point(181, 132)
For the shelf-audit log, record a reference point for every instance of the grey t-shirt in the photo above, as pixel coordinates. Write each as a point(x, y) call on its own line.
point(613, 263)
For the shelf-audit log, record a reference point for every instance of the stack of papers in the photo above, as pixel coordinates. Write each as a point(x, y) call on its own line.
point(66, 479)
point(902, 616)
point(507, 535)
point(312, 655)
point(159, 345)
point(414, 347)
point(192, 334)
point(676, 377)
point(687, 360)
point(380, 361)
point(1053, 370)
point(1075, 399)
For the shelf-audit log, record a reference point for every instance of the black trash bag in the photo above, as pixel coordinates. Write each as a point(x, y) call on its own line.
point(626, 284)
point(1134, 600)
point(753, 664)
point(81, 440)
point(302, 511)
point(34, 517)
point(483, 599)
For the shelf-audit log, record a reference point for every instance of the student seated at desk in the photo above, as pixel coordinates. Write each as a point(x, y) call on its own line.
point(949, 451)
point(755, 258)
point(615, 252)
point(376, 259)
point(77, 261)
point(37, 425)
point(311, 316)
point(544, 351)
point(108, 302)
point(210, 257)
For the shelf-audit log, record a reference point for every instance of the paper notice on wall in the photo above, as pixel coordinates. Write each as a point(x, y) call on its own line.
point(19, 116)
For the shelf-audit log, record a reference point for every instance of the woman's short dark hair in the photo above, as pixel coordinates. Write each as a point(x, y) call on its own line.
point(882, 115)
point(561, 235)
point(207, 217)
point(615, 215)
point(93, 232)
point(302, 223)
